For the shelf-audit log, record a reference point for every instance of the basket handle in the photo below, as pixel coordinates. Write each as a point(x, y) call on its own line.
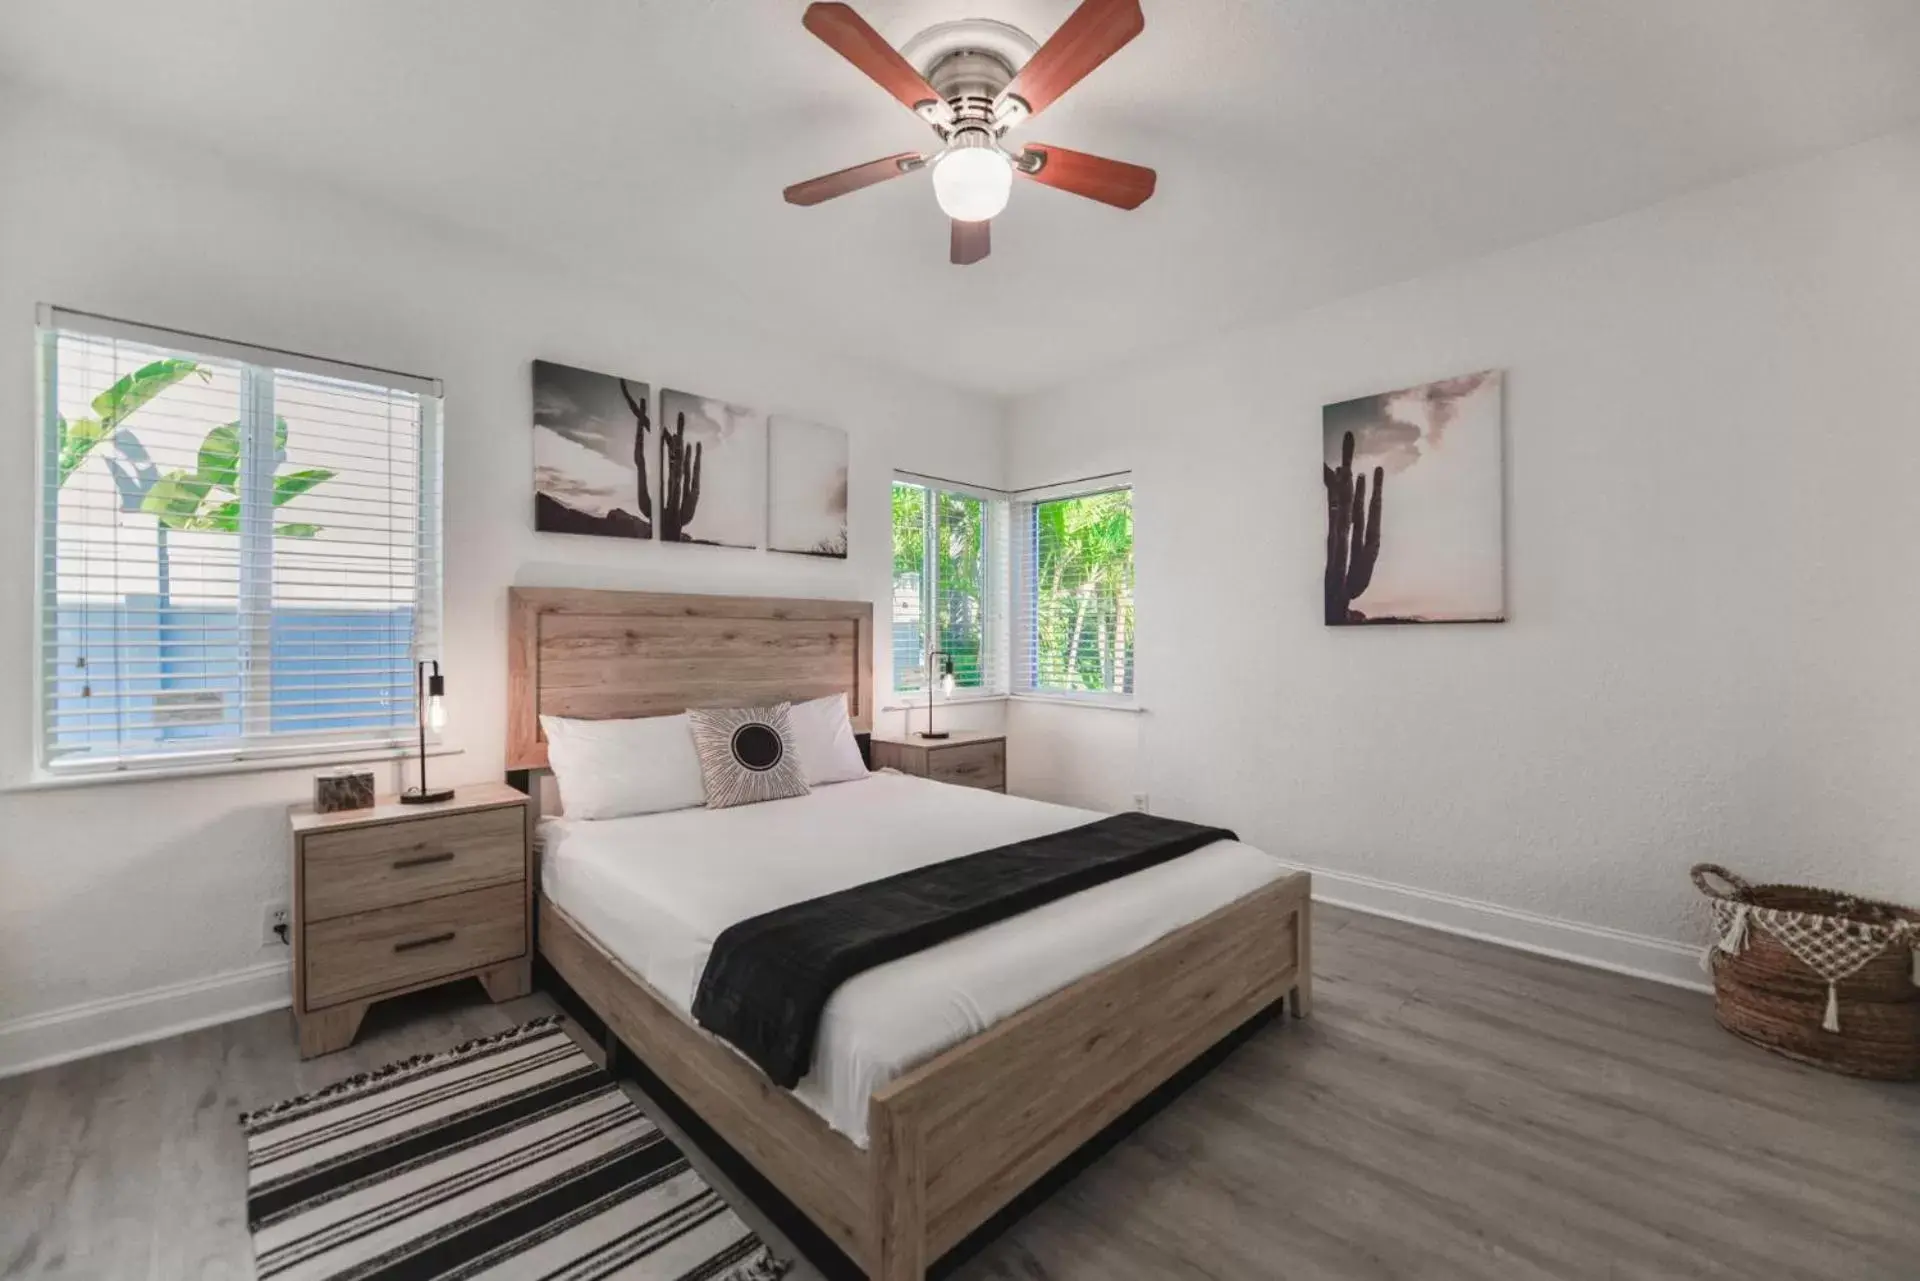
point(1737, 888)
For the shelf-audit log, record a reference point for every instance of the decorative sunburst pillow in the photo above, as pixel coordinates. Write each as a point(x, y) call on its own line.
point(747, 754)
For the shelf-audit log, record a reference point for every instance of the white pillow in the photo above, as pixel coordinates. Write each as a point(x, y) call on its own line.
point(608, 769)
point(823, 739)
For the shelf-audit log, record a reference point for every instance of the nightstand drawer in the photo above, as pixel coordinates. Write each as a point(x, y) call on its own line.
point(360, 869)
point(969, 764)
point(376, 952)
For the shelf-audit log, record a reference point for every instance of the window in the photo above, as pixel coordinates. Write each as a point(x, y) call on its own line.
point(1068, 595)
point(1073, 621)
point(949, 585)
point(240, 549)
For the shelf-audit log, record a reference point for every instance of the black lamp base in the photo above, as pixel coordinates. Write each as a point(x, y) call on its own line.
point(414, 796)
point(936, 734)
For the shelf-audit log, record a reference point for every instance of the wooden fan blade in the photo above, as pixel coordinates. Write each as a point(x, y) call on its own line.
point(1111, 182)
point(848, 35)
point(972, 241)
point(841, 181)
point(1091, 34)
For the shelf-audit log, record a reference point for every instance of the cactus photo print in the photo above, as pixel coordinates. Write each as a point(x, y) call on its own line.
point(1415, 531)
point(713, 459)
point(590, 453)
point(806, 488)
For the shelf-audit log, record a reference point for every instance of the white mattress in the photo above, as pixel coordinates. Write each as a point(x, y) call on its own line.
point(658, 889)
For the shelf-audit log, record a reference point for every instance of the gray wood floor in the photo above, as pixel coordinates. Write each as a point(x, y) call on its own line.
point(1454, 1109)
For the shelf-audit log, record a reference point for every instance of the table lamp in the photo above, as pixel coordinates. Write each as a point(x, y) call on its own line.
point(429, 691)
point(945, 666)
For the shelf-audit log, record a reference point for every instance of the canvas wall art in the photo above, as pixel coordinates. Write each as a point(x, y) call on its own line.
point(713, 459)
point(1415, 526)
point(590, 446)
point(806, 487)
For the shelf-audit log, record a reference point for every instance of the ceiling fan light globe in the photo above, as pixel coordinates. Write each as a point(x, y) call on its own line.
point(972, 183)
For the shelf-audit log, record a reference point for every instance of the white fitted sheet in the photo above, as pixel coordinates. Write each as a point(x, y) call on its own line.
point(657, 889)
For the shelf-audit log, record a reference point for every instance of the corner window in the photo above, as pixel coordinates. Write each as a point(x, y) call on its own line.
point(949, 587)
point(240, 549)
point(1073, 593)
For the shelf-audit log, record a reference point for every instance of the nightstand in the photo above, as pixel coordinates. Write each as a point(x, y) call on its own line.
point(971, 758)
point(400, 897)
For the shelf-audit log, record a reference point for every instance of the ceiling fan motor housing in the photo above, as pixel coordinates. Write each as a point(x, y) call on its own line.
point(970, 80)
point(969, 63)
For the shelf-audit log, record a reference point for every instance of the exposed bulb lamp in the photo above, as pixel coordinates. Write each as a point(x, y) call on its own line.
point(430, 695)
point(943, 661)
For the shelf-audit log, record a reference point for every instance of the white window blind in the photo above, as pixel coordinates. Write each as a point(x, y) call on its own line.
point(949, 586)
point(1073, 593)
point(240, 549)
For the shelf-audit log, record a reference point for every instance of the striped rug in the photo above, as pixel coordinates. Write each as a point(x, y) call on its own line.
point(508, 1157)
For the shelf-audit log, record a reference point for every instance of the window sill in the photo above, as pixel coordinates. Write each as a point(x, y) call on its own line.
point(48, 781)
point(912, 704)
point(1097, 702)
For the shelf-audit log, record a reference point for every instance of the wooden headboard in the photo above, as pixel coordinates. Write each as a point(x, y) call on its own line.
point(599, 655)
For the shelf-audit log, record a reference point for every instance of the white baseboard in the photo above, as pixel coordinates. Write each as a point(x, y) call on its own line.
point(95, 1027)
point(1640, 955)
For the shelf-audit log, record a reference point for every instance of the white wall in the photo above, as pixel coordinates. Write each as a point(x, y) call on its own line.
point(1713, 457)
point(111, 892)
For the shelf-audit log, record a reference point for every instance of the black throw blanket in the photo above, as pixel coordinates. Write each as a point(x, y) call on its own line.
point(769, 976)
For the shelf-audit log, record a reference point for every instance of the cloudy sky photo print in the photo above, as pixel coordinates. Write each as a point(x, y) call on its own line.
point(1439, 445)
point(583, 448)
point(730, 508)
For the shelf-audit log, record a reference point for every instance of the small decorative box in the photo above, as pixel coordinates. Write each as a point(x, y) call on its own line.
point(344, 789)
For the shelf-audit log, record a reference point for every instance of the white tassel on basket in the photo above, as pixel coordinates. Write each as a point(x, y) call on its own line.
point(1832, 1021)
point(1735, 941)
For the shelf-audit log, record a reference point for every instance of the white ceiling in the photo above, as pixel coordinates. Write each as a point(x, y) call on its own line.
point(1307, 149)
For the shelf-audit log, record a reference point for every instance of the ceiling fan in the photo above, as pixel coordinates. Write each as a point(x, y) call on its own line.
point(972, 95)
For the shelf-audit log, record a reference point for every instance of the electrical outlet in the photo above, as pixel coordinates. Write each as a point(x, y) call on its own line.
point(1140, 801)
point(275, 925)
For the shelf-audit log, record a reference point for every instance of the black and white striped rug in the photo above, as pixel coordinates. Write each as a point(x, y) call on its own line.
point(508, 1157)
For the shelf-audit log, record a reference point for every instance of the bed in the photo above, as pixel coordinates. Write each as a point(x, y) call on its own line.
point(945, 1083)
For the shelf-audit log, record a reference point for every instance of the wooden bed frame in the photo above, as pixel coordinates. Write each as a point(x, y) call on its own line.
point(958, 1138)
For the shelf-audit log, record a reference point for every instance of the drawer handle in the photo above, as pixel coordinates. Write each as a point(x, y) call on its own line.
point(421, 860)
point(429, 941)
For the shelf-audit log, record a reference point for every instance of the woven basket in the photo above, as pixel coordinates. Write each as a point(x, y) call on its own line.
point(1766, 994)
